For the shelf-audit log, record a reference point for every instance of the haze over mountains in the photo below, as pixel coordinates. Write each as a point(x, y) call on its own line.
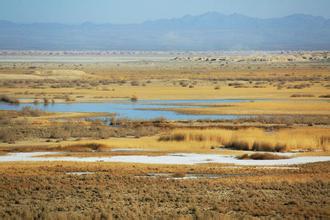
point(210, 31)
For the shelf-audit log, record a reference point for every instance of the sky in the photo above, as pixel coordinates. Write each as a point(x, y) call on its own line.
point(136, 11)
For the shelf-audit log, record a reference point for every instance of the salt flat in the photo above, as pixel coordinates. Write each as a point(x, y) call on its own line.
point(177, 159)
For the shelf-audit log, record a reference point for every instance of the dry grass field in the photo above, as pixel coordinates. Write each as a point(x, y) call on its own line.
point(120, 191)
point(271, 107)
point(164, 80)
point(256, 139)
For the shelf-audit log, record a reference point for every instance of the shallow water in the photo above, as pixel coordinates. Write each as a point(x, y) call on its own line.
point(178, 159)
point(127, 109)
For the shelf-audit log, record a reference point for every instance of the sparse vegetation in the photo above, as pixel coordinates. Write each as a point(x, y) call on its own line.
point(13, 129)
point(116, 191)
point(29, 111)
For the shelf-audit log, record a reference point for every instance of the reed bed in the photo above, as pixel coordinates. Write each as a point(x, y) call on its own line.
point(256, 139)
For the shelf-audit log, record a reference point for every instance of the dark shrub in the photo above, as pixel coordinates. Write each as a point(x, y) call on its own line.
point(261, 156)
point(134, 98)
point(238, 145)
point(7, 99)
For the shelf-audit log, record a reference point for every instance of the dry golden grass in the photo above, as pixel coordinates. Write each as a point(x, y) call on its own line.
point(117, 191)
point(149, 145)
point(165, 80)
point(152, 143)
point(197, 141)
point(255, 139)
point(162, 90)
point(263, 108)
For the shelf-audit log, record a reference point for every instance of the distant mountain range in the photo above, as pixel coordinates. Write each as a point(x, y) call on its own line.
point(210, 31)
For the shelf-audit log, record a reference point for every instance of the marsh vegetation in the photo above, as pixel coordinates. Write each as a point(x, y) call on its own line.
point(280, 109)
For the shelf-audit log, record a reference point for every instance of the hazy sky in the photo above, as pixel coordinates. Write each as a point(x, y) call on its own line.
point(135, 11)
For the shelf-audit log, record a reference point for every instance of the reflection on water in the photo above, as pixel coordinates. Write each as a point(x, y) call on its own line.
point(133, 110)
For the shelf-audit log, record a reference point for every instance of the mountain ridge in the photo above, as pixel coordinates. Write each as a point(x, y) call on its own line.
point(208, 31)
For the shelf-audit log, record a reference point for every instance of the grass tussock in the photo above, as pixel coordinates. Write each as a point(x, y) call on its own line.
point(255, 139)
point(261, 156)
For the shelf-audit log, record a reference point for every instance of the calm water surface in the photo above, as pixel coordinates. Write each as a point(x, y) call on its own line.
point(127, 109)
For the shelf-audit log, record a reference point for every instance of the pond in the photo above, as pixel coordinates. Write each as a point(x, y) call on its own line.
point(142, 109)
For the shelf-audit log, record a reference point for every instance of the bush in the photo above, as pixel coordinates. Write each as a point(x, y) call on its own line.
point(134, 98)
point(89, 147)
point(179, 175)
point(301, 95)
point(46, 101)
point(7, 99)
point(135, 83)
point(7, 137)
point(238, 145)
point(183, 83)
point(260, 156)
point(29, 111)
point(69, 99)
point(173, 137)
point(325, 96)
point(262, 146)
